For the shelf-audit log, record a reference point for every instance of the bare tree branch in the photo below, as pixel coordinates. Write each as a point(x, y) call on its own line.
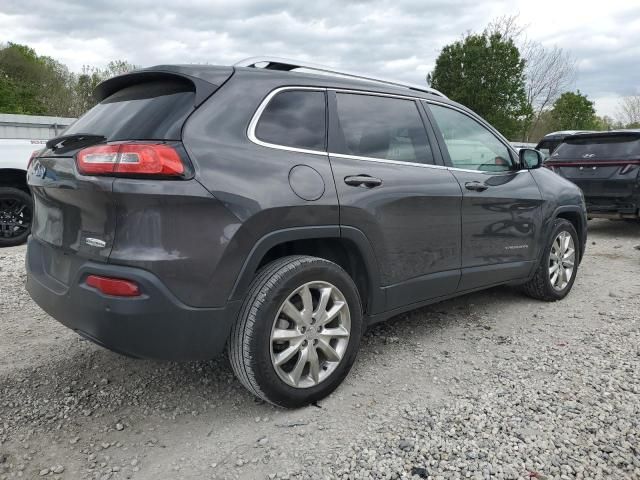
point(629, 111)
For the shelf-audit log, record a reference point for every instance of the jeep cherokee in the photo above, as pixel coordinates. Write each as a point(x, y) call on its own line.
point(278, 213)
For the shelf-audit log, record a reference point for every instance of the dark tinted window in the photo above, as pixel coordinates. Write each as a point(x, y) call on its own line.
point(383, 127)
point(613, 147)
point(146, 111)
point(294, 118)
point(471, 146)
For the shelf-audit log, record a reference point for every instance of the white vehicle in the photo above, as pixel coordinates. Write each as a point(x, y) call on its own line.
point(16, 206)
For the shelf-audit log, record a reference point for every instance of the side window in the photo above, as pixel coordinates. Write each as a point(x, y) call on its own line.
point(295, 118)
point(382, 127)
point(471, 146)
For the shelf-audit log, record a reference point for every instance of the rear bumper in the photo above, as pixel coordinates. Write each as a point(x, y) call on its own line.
point(613, 207)
point(155, 325)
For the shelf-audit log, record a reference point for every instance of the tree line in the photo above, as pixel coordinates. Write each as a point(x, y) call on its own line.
point(519, 85)
point(32, 84)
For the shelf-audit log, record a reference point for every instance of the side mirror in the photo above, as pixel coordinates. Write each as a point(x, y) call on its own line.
point(530, 158)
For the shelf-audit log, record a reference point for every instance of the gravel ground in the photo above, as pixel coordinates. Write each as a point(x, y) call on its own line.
point(490, 385)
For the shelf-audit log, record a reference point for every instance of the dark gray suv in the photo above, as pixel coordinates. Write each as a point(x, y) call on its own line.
point(280, 213)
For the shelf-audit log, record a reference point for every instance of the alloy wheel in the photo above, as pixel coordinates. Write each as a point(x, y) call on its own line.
point(310, 334)
point(562, 260)
point(15, 217)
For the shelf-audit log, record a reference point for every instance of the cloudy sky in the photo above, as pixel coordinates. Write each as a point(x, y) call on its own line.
point(397, 39)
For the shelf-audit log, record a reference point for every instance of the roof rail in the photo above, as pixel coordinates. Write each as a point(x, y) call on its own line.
point(284, 64)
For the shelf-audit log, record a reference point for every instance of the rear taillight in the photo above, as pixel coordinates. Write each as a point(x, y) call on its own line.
point(116, 287)
point(32, 157)
point(130, 159)
point(626, 169)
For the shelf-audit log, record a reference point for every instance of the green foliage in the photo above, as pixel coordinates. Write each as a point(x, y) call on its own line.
point(486, 73)
point(39, 85)
point(574, 111)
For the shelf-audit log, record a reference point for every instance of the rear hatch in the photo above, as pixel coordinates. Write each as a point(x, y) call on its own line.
point(75, 209)
point(604, 165)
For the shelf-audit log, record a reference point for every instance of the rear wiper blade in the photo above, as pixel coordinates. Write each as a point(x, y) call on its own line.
point(74, 140)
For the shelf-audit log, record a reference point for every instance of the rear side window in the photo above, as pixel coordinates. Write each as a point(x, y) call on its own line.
point(471, 146)
point(145, 111)
point(295, 118)
point(382, 127)
point(612, 147)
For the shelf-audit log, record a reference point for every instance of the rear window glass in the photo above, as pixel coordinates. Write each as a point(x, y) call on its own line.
point(295, 118)
point(614, 147)
point(145, 111)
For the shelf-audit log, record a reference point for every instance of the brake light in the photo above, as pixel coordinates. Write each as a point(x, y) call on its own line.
point(116, 287)
point(130, 158)
point(626, 169)
point(32, 157)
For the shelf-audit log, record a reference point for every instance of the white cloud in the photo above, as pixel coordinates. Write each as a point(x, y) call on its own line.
point(399, 38)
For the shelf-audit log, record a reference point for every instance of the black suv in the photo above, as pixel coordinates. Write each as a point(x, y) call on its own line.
point(606, 166)
point(279, 214)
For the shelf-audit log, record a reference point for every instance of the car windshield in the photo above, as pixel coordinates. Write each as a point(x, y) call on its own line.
point(612, 147)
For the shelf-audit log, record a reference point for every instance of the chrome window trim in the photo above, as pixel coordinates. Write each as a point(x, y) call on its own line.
point(251, 130)
point(258, 113)
point(384, 160)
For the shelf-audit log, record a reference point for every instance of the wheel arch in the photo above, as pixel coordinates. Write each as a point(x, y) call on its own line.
point(345, 246)
point(14, 177)
point(576, 216)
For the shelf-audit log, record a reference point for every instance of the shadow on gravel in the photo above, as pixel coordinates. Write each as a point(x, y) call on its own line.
point(616, 228)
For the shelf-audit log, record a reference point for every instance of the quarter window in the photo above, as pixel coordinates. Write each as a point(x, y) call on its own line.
point(382, 127)
point(295, 118)
point(471, 146)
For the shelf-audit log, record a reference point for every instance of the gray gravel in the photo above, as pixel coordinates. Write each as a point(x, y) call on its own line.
point(491, 385)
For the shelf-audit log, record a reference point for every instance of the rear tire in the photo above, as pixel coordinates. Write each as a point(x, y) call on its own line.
point(298, 331)
point(561, 252)
point(16, 213)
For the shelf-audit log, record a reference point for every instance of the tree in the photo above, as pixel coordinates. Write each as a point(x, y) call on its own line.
point(574, 111)
point(87, 81)
point(549, 71)
point(629, 111)
point(39, 85)
point(486, 73)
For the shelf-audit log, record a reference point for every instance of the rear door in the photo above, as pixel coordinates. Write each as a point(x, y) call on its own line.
point(501, 207)
point(393, 187)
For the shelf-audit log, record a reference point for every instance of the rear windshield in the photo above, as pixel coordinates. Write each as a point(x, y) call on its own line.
point(614, 147)
point(145, 111)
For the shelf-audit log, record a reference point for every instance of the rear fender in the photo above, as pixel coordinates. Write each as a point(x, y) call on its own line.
point(376, 301)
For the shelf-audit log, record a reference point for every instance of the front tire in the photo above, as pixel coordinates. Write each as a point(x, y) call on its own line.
point(298, 331)
point(16, 212)
point(558, 268)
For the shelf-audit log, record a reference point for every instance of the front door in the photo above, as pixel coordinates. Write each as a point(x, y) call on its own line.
point(501, 208)
point(391, 187)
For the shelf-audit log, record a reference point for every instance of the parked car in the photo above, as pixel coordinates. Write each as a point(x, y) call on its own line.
point(16, 205)
point(606, 166)
point(280, 213)
point(550, 141)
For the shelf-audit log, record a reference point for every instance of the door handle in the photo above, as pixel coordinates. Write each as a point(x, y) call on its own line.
point(475, 186)
point(362, 181)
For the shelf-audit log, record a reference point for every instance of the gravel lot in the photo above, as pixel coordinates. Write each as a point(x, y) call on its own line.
point(490, 385)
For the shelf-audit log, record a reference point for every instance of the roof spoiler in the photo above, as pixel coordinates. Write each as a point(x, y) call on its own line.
point(205, 80)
